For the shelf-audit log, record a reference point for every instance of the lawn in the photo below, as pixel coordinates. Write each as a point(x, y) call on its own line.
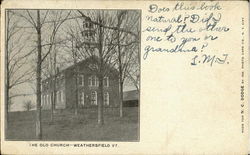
point(84, 127)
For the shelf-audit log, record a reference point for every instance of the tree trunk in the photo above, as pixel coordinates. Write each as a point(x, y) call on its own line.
point(76, 91)
point(100, 101)
point(120, 67)
point(7, 104)
point(55, 80)
point(101, 75)
point(7, 75)
point(121, 98)
point(38, 79)
point(52, 106)
point(75, 76)
point(53, 103)
point(54, 99)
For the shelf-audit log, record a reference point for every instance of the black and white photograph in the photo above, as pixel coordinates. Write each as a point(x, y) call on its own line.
point(72, 75)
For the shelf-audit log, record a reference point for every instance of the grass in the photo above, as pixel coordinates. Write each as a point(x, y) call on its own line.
point(66, 126)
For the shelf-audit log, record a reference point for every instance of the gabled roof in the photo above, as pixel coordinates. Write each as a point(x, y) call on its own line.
point(91, 59)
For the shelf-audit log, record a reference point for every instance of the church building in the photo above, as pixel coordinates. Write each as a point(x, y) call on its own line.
point(85, 89)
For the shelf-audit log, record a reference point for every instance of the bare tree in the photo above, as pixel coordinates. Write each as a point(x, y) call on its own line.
point(110, 32)
point(37, 23)
point(70, 48)
point(127, 47)
point(56, 19)
point(17, 70)
point(100, 48)
point(27, 105)
point(105, 45)
point(134, 77)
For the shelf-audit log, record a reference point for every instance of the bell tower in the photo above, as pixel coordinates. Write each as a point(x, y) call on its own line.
point(88, 31)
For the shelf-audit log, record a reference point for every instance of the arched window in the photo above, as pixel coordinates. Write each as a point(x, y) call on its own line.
point(42, 97)
point(106, 81)
point(81, 98)
point(106, 98)
point(90, 81)
point(50, 97)
point(48, 101)
point(81, 80)
point(93, 98)
point(62, 96)
point(58, 95)
point(93, 80)
point(97, 81)
point(44, 100)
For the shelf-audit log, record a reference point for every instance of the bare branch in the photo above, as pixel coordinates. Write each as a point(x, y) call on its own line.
point(109, 27)
point(31, 18)
point(18, 95)
point(53, 35)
